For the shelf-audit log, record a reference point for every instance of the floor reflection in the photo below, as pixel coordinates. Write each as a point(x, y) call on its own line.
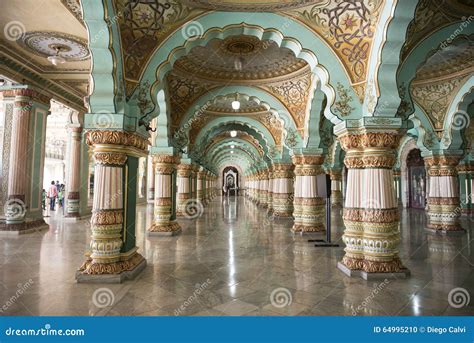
point(235, 260)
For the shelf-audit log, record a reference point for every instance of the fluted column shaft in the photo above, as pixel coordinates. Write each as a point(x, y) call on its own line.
point(200, 185)
point(336, 187)
point(443, 197)
point(309, 209)
point(371, 215)
point(27, 138)
point(164, 212)
point(466, 183)
point(150, 180)
point(270, 190)
point(112, 246)
point(74, 177)
point(184, 188)
point(283, 190)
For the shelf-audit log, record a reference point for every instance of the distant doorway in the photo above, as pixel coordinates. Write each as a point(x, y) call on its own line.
point(230, 181)
point(416, 179)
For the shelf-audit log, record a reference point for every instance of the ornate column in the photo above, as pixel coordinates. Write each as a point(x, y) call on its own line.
point(283, 190)
point(73, 171)
point(164, 214)
point(397, 183)
point(371, 214)
point(193, 180)
point(309, 209)
point(25, 175)
point(184, 188)
point(113, 255)
point(201, 176)
point(466, 177)
point(336, 187)
point(263, 188)
point(270, 190)
point(150, 180)
point(443, 197)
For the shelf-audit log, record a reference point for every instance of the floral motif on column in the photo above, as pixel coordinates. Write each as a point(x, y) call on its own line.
point(262, 199)
point(443, 199)
point(283, 189)
point(309, 209)
point(336, 187)
point(371, 215)
point(164, 167)
point(110, 156)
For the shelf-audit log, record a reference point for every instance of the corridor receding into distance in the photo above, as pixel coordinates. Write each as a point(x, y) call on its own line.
point(236, 157)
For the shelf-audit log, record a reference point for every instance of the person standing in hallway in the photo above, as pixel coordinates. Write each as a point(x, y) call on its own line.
point(52, 194)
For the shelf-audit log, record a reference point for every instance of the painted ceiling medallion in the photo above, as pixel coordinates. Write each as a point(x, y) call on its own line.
point(45, 44)
point(249, 5)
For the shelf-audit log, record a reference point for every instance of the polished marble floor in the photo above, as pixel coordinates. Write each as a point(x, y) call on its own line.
point(233, 260)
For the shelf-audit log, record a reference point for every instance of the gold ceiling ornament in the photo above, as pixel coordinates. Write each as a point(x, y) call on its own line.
point(436, 97)
point(294, 94)
point(347, 26)
point(456, 58)
point(259, 59)
point(249, 5)
point(431, 15)
point(143, 27)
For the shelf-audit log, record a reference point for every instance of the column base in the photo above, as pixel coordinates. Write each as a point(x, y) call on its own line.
point(169, 229)
point(116, 272)
point(29, 226)
point(404, 273)
point(307, 229)
point(370, 270)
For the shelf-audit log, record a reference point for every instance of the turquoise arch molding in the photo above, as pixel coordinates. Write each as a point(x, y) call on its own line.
point(295, 37)
point(458, 116)
point(385, 57)
point(233, 141)
point(201, 148)
point(263, 97)
point(250, 125)
point(423, 50)
point(258, 94)
point(239, 146)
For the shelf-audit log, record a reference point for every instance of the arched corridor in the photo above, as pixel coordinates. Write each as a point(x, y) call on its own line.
point(201, 144)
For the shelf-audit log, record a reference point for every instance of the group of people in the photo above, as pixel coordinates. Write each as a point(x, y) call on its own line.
point(55, 192)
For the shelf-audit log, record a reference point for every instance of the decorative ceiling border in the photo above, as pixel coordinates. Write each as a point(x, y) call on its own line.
point(75, 8)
